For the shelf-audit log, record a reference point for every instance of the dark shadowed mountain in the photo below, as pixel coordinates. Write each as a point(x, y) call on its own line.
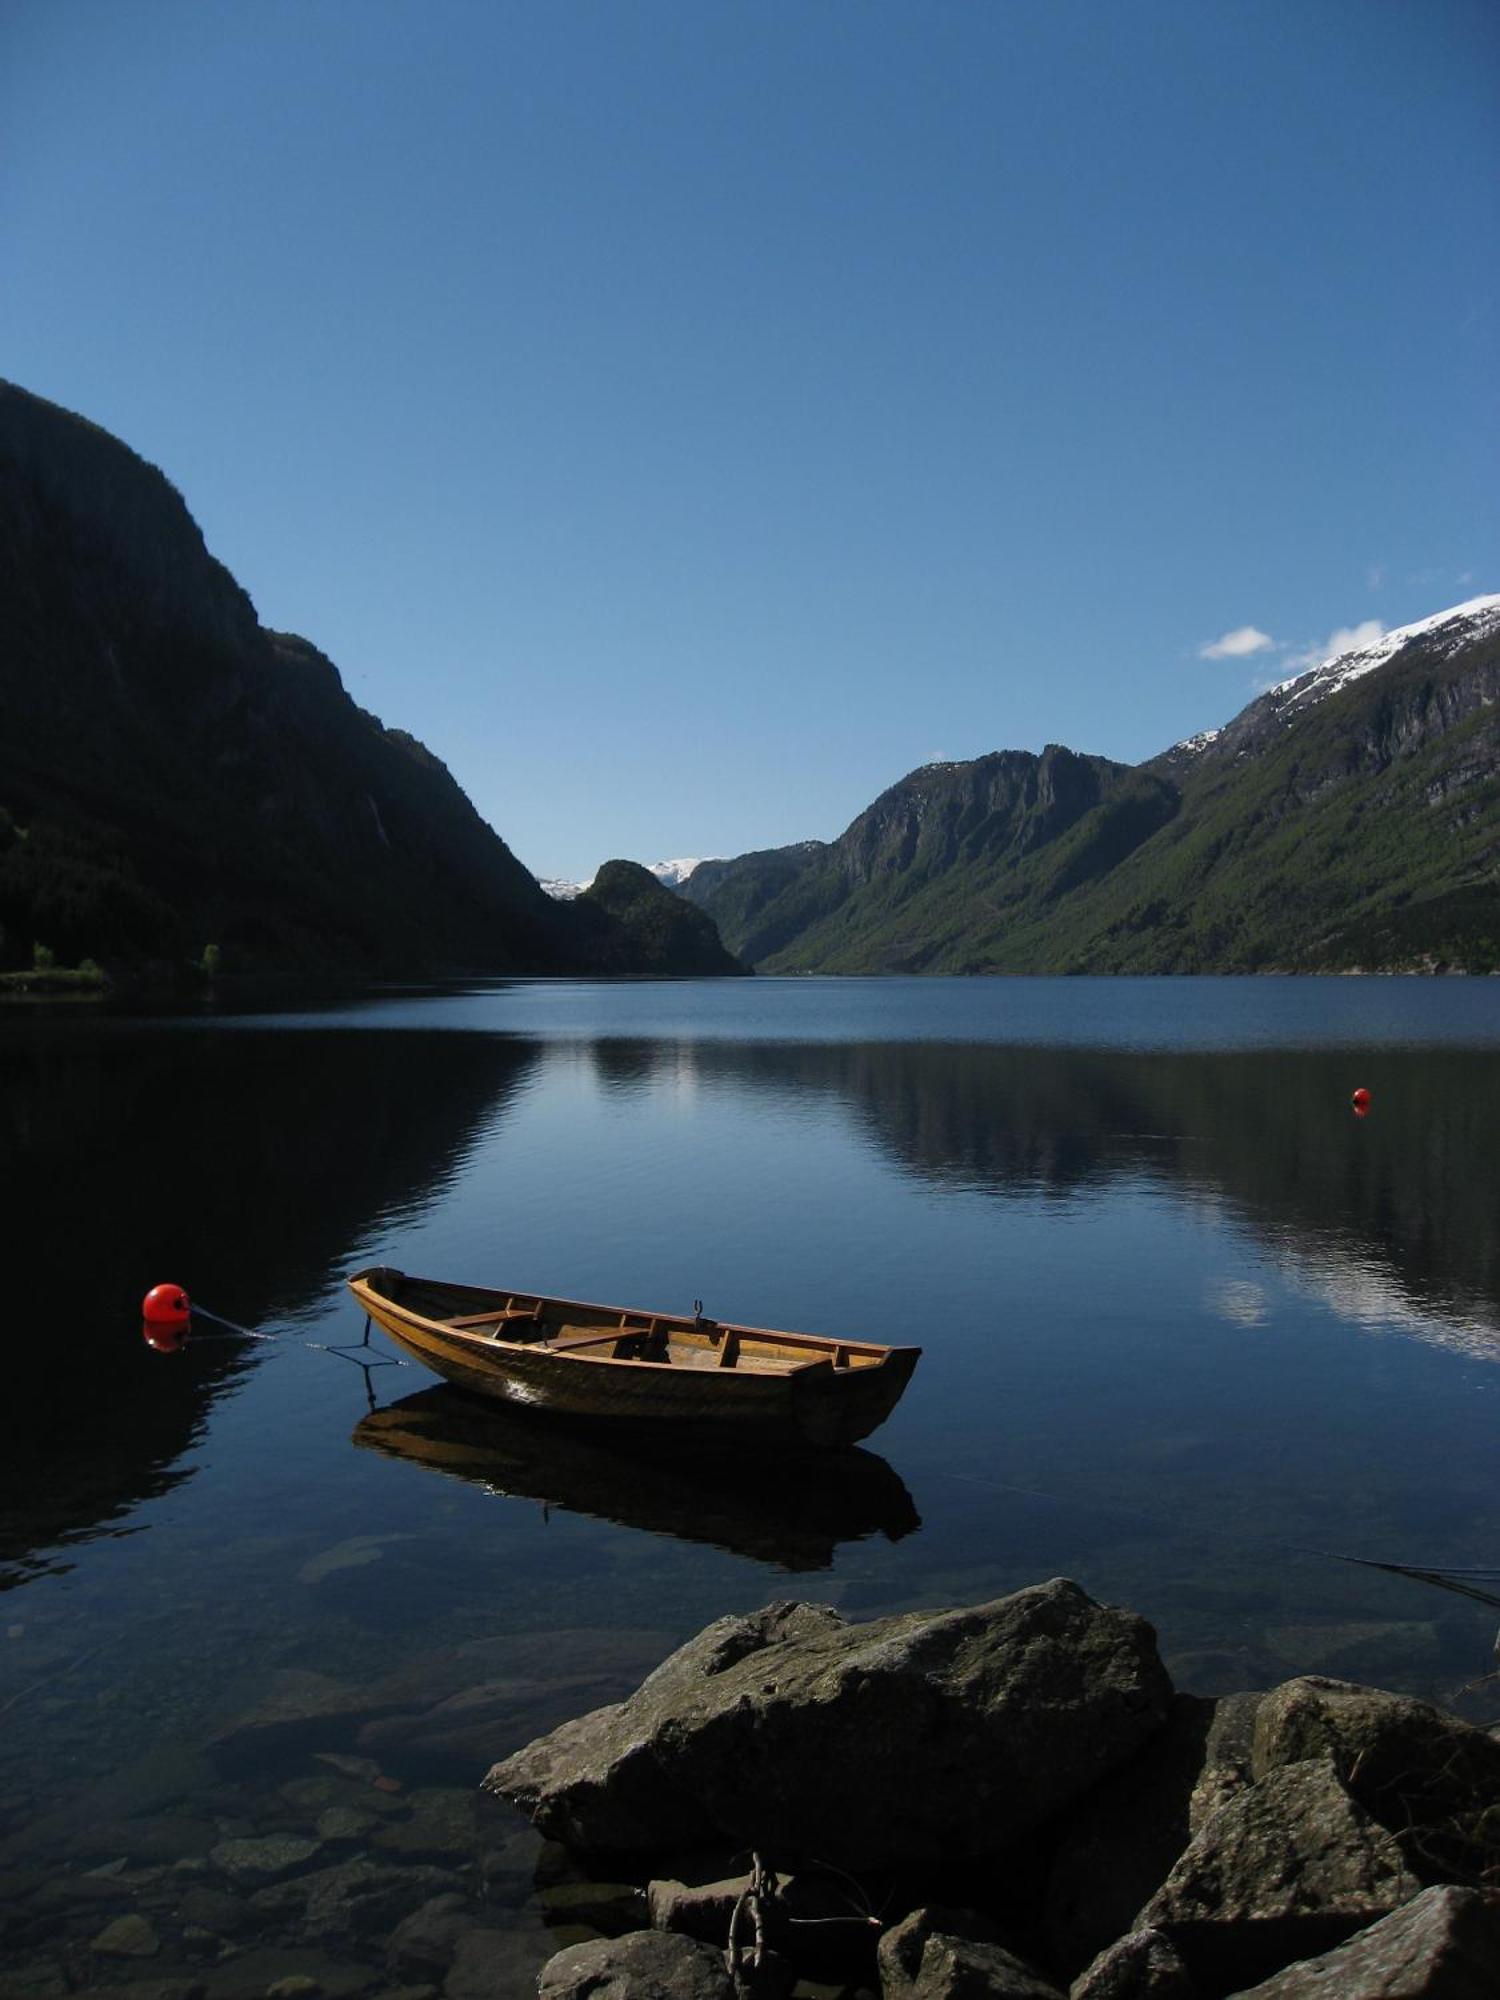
point(634, 923)
point(173, 775)
point(1347, 820)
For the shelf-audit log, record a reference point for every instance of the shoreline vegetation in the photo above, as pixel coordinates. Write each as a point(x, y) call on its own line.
point(56, 982)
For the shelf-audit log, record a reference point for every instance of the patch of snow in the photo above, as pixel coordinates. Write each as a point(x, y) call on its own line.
point(672, 874)
point(1193, 744)
point(1458, 626)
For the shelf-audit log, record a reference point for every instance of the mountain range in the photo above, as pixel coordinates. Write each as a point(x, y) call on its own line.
point(671, 875)
point(1346, 820)
point(174, 776)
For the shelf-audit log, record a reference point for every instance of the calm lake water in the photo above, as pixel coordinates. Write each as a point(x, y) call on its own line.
point(1193, 1333)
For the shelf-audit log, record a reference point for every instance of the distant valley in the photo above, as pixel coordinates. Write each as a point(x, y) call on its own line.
point(181, 788)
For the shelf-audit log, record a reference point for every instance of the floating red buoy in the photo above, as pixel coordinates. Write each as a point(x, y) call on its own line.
point(1361, 1099)
point(166, 1305)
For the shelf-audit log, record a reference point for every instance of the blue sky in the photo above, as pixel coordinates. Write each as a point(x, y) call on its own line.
point(687, 416)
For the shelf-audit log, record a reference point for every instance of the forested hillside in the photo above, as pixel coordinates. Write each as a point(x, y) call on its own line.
point(1348, 820)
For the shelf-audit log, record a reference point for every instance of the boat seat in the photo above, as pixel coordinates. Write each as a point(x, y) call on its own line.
point(508, 1316)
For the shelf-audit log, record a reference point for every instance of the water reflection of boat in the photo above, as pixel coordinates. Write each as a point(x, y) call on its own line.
point(670, 1372)
point(795, 1519)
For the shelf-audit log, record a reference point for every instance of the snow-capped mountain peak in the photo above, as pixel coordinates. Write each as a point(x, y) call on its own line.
point(674, 873)
point(1441, 635)
point(671, 875)
point(1444, 632)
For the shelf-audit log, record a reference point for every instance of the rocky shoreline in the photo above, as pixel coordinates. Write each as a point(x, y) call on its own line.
point(1011, 1801)
point(1005, 1800)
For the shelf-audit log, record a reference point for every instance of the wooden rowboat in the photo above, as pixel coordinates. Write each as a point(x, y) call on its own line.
point(674, 1373)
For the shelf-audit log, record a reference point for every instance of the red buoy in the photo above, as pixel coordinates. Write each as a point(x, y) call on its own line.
point(1361, 1099)
point(166, 1305)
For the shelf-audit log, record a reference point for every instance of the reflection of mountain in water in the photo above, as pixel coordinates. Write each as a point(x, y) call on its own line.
point(1402, 1201)
point(794, 1520)
point(243, 1165)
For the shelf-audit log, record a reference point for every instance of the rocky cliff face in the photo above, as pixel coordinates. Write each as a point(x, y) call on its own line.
point(1428, 680)
point(1010, 829)
point(1350, 818)
point(172, 774)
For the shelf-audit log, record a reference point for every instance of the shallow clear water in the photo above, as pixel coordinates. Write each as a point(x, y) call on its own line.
point(1192, 1333)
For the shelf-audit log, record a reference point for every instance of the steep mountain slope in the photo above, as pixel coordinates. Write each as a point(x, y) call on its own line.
point(930, 877)
point(173, 775)
point(1350, 818)
point(1347, 819)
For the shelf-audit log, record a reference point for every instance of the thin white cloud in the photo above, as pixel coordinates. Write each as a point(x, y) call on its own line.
point(1238, 644)
point(1375, 576)
point(1347, 639)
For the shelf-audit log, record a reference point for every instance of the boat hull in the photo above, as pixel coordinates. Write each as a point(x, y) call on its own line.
point(776, 1387)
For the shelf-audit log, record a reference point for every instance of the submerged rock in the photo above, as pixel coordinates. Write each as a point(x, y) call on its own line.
point(496, 1965)
point(265, 1858)
point(212, 1910)
point(354, 1899)
point(911, 1739)
point(127, 1937)
point(439, 1826)
point(427, 1940)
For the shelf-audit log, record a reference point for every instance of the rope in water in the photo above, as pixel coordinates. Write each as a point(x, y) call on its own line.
point(346, 1350)
point(1462, 1579)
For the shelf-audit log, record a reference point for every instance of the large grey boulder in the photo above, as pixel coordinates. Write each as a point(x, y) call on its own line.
point(1123, 1840)
point(1427, 1777)
point(955, 1955)
point(916, 1739)
point(642, 1965)
point(1443, 1945)
point(1285, 1870)
point(1146, 1965)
